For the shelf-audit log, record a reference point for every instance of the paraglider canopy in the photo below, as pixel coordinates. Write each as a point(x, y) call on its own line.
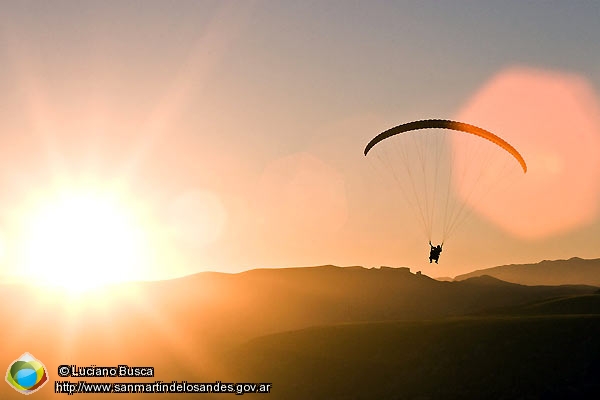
point(439, 165)
point(447, 124)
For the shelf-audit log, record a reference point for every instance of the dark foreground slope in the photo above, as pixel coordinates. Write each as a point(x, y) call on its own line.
point(563, 305)
point(532, 357)
point(574, 271)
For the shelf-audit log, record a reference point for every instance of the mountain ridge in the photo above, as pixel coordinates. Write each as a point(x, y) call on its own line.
point(574, 270)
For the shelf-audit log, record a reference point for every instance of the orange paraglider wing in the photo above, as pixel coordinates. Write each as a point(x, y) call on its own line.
point(447, 124)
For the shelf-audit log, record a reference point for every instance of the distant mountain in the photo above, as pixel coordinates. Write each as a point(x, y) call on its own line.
point(574, 271)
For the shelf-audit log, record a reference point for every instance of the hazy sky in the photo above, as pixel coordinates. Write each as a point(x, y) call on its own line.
point(232, 132)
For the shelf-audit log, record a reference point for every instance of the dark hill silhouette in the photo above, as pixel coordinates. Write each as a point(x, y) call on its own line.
point(271, 300)
point(263, 301)
point(574, 271)
point(171, 324)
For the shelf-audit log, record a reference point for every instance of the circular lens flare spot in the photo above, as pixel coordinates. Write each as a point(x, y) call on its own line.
point(552, 119)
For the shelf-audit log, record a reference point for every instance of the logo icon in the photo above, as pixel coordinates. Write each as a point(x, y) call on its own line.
point(26, 374)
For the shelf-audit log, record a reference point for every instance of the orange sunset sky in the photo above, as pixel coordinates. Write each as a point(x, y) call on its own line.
point(153, 139)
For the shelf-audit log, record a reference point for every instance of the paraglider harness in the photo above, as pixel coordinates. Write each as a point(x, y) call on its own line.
point(434, 253)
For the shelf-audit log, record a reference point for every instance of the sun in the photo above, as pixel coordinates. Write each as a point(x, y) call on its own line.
point(81, 241)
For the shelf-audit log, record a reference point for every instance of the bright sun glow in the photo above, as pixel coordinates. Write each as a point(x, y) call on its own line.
point(81, 241)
